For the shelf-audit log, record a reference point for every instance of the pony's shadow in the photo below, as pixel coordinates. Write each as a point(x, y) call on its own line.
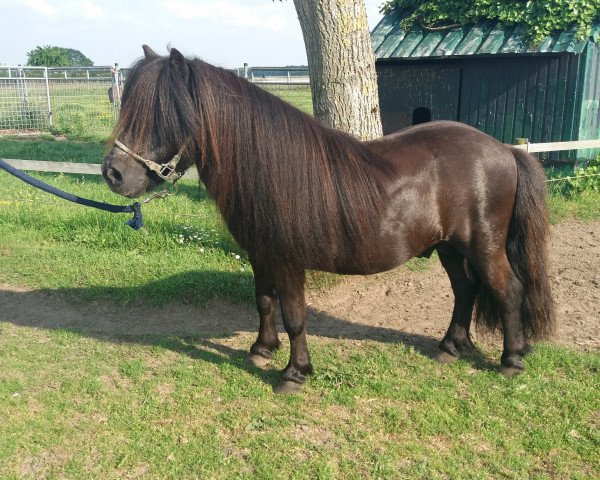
point(184, 328)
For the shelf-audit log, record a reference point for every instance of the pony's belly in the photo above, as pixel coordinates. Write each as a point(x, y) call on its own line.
point(386, 256)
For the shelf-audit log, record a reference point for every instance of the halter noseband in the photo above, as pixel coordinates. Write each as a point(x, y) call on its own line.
point(166, 171)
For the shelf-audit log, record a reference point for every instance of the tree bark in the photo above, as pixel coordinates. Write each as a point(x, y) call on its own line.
point(341, 65)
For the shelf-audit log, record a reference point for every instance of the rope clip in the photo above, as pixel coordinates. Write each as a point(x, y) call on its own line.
point(162, 194)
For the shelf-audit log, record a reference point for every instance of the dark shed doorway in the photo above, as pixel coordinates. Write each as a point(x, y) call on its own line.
point(421, 115)
point(412, 94)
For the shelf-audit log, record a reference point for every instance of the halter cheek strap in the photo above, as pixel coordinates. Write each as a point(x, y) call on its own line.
point(166, 171)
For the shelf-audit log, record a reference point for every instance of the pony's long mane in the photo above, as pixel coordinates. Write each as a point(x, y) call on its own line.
point(285, 184)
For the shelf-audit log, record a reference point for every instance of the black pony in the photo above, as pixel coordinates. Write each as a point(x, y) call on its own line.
point(297, 195)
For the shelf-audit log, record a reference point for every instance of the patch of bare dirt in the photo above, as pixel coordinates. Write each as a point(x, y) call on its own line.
point(420, 303)
point(29, 133)
point(397, 306)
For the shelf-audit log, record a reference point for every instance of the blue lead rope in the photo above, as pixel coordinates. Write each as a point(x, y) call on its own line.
point(136, 222)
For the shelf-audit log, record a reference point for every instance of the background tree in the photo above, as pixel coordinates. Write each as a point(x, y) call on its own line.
point(540, 17)
point(341, 64)
point(48, 56)
point(78, 59)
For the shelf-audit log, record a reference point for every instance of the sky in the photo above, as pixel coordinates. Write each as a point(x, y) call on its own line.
point(226, 33)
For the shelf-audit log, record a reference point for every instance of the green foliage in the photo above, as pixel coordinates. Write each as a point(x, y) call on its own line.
point(540, 17)
point(586, 179)
point(48, 56)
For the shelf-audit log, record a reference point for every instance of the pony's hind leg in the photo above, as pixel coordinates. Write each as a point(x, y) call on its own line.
point(266, 303)
point(465, 286)
point(506, 293)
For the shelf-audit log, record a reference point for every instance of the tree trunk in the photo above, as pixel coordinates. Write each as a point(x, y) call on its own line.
point(341, 65)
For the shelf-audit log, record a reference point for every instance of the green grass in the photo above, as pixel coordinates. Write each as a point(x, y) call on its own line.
point(584, 207)
point(184, 251)
point(298, 95)
point(77, 406)
point(47, 147)
point(51, 243)
point(575, 194)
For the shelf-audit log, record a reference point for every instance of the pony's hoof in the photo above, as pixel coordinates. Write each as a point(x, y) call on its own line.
point(511, 365)
point(445, 357)
point(286, 387)
point(258, 360)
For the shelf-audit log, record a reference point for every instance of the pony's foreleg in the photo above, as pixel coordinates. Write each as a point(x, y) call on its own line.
point(290, 288)
point(465, 286)
point(266, 303)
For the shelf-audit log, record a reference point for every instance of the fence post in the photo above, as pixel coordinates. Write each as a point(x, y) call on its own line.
point(289, 78)
point(48, 96)
point(522, 141)
point(116, 89)
point(245, 70)
point(118, 84)
point(22, 88)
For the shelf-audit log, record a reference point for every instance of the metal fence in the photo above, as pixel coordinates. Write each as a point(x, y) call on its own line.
point(292, 84)
point(85, 101)
point(63, 100)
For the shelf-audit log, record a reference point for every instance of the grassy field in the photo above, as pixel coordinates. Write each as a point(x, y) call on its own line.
point(47, 147)
point(297, 95)
point(77, 404)
point(50, 243)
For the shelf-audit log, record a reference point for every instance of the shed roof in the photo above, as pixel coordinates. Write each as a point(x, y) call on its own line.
point(490, 37)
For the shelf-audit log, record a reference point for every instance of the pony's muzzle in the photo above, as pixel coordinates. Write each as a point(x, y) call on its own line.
point(124, 176)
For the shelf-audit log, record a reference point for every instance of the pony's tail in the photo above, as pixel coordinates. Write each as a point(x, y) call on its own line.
point(526, 249)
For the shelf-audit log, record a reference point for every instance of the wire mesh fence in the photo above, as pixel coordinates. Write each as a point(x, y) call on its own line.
point(23, 101)
point(86, 101)
point(82, 101)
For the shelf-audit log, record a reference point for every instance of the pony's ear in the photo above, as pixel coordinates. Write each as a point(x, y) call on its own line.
point(178, 63)
point(148, 52)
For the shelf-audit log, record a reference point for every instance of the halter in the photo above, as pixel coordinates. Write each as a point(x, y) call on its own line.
point(166, 171)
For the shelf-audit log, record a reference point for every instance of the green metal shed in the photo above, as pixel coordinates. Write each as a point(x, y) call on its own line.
point(487, 76)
